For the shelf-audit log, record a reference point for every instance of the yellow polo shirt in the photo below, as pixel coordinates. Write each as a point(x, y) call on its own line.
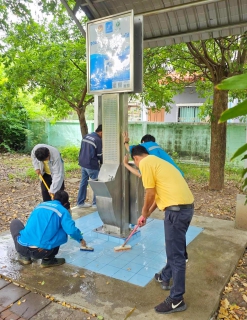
point(170, 186)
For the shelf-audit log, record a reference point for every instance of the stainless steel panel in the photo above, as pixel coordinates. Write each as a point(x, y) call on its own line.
point(111, 130)
point(138, 54)
point(108, 194)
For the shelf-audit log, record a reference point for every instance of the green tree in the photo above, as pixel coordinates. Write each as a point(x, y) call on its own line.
point(13, 117)
point(236, 83)
point(209, 62)
point(49, 61)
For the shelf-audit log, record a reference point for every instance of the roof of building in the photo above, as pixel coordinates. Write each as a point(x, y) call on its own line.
point(168, 22)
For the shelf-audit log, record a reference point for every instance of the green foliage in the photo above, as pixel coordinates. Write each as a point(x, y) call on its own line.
point(89, 114)
point(13, 130)
point(200, 173)
point(48, 61)
point(71, 166)
point(236, 83)
point(31, 174)
point(195, 172)
point(70, 154)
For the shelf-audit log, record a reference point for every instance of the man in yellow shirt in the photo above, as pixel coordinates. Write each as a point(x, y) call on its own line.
point(166, 189)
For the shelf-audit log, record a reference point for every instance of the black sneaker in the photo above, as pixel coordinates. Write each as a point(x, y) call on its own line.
point(164, 285)
point(24, 260)
point(52, 262)
point(157, 277)
point(170, 305)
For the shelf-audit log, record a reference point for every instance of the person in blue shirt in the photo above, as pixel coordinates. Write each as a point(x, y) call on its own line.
point(90, 158)
point(148, 142)
point(47, 228)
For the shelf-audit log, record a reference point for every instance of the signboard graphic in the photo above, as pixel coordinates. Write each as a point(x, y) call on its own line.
point(110, 54)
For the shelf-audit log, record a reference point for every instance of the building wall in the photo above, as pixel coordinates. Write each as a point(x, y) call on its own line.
point(188, 141)
point(189, 96)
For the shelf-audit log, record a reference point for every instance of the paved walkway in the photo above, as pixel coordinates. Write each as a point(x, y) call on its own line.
point(213, 257)
point(17, 303)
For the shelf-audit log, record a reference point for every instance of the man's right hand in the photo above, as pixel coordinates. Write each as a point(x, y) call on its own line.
point(38, 171)
point(141, 221)
point(83, 243)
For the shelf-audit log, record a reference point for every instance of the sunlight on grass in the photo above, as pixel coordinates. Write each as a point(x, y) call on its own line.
point(195, 172)
point(200, 173)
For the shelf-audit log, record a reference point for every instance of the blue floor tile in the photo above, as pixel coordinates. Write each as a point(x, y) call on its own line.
point(133, 267)
point(139, 280)
point(118, 262)
point(123, 275)
point(148, 272)
point(108, 270)
point(137, 266)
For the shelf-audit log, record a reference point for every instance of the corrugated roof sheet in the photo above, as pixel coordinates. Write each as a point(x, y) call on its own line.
point(168, 22)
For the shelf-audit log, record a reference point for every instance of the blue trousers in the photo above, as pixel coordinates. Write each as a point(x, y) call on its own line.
point(85, 175)
point(176, 224)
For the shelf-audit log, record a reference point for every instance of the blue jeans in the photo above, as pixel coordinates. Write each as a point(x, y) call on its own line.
point(176, 225)
point(85, 175)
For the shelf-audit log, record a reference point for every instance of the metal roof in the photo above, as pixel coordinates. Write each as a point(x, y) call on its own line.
point(167, 22)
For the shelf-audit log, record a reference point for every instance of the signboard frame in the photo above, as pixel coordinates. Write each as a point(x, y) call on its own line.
point(98, 23)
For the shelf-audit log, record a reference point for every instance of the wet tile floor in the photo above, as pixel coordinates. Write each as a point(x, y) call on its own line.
point(137, 266)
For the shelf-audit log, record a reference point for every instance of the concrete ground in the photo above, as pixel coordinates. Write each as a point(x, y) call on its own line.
point(213, 257)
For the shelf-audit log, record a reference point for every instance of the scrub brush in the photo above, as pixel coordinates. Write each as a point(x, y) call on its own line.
point(86, 248)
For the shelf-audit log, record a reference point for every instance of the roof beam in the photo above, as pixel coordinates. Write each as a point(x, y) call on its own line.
point(73, 16)
point(179, 7)
point(167, 9)
point(176, 35)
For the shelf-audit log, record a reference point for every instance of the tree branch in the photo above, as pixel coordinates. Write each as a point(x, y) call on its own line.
point(76, 65)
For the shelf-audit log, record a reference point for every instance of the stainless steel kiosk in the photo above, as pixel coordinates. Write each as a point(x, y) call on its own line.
point(114, 56)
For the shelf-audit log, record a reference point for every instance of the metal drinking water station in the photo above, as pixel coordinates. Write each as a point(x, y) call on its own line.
point(114, 54)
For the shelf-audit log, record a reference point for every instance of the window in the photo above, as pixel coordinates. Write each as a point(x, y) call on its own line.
point(188, 113)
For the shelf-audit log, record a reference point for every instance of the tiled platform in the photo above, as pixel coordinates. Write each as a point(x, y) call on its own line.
point(136, 266)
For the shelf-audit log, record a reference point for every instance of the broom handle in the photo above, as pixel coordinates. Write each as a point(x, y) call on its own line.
point(45, 184)
point(133, 231)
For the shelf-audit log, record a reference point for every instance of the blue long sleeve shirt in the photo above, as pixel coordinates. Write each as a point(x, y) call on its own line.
point(49, 226)
point(155, 150)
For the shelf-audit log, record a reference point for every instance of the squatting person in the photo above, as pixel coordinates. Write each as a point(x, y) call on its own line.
point(46, 230)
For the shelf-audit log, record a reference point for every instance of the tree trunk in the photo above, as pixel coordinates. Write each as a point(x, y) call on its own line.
point(218, 141)
point(82, 120)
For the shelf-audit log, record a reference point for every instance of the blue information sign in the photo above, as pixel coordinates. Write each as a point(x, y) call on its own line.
point(110, 54)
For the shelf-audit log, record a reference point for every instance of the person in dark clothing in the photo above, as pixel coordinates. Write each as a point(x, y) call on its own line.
point(90, 158)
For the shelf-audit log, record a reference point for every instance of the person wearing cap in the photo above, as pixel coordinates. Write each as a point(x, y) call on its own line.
point(90, 158)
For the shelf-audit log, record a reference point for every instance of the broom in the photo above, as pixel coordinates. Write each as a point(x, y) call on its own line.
point(123, 246)
point(42, 179)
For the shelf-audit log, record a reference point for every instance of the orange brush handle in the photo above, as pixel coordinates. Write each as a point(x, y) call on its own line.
point(133, 231)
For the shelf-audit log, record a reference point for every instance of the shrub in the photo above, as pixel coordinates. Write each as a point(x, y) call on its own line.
point(70, 153)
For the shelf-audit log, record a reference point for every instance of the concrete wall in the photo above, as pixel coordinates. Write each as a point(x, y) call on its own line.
point(189, 141)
